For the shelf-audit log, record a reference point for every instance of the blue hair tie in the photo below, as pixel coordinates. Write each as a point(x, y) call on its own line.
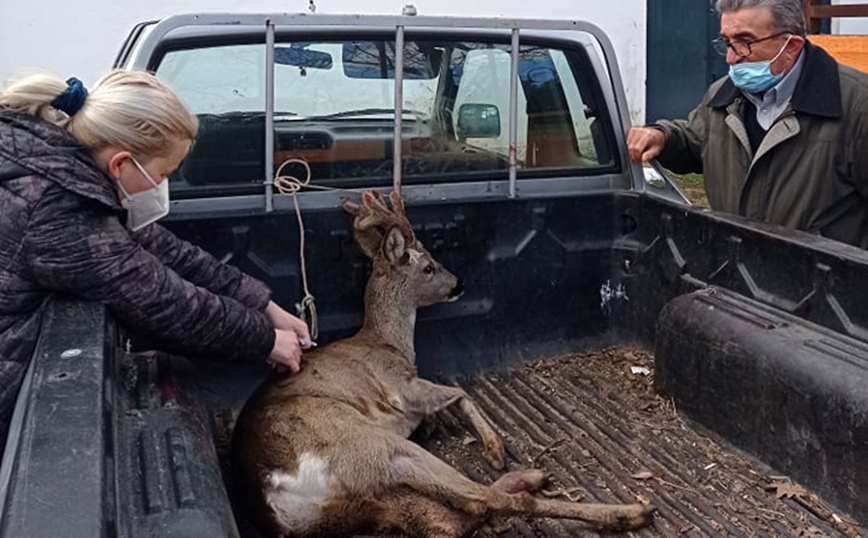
point(72, 98)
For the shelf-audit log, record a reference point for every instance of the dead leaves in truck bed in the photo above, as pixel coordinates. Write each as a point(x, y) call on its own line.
point(605, 435)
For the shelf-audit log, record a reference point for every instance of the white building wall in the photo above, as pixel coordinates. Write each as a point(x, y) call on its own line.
point(81, 38)
point(854, 26)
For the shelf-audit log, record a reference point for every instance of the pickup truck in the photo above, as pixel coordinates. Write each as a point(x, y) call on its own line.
point(633, 346)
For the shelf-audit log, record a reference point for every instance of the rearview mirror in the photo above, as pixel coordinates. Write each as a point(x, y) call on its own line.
point(298, 55)
point(478, 121)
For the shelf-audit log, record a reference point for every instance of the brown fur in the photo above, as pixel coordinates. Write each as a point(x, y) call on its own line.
point(355, 402)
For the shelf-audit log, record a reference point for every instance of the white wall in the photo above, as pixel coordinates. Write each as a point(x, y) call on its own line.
point(81, 38)
point(854, 26)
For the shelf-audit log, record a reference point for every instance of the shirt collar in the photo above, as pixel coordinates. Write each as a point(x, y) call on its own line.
point(787, 86)
point(780, 93)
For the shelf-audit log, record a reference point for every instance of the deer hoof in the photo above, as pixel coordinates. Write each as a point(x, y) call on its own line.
point(634, 516)
point(494, 453)
point(529, 480)
point(534, 479)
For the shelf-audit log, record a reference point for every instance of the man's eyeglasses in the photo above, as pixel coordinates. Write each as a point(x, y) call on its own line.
point(741, 48)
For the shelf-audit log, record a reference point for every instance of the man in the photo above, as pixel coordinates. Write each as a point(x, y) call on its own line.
point(784, 137)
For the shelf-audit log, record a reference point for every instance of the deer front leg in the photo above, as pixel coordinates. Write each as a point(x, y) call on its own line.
point(427, 398)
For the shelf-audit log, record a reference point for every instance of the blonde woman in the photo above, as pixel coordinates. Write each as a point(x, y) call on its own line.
point(83, 178)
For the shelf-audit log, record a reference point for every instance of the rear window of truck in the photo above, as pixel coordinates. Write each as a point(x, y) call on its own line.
point(334, 109)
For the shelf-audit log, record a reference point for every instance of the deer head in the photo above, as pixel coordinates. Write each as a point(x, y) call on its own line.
point(403, 270)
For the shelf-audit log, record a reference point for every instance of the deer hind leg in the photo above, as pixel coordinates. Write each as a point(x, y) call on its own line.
point(427, 398)
point(414, 514)
point(426, 475)
point(610, 517)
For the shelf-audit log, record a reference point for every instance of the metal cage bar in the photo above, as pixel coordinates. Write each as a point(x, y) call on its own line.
point(397, 145)
point(513, 114)
point(269, 116)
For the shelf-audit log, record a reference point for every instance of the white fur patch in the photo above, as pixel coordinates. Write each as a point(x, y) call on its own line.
point(297, 499)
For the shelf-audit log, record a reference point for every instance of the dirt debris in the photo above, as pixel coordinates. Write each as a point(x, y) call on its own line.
point(568, 409)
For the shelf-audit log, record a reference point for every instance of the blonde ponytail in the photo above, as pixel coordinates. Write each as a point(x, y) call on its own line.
point(131, 110)
point(33, 95)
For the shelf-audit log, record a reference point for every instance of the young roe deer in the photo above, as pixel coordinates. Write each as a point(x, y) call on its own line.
point(325, 452)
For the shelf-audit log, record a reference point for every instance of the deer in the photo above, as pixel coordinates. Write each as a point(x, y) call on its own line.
point(325, 452)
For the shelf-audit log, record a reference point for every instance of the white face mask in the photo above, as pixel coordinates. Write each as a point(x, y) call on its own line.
point(147, 206)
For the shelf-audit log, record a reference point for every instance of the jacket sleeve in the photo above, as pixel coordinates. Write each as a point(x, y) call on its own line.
point(79, 247)
point(194, 264)
point(684, 140)
point(859, 161)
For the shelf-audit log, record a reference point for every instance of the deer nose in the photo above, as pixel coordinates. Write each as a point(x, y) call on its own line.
point(457, 290)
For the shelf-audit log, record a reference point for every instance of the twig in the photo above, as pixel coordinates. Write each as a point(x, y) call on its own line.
point(773, 512)
point(548, 449)
point(568, 493)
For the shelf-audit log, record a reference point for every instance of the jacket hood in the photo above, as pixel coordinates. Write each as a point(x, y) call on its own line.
point(31, 146)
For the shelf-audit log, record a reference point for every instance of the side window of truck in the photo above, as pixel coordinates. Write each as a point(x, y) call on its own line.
point(334, 108)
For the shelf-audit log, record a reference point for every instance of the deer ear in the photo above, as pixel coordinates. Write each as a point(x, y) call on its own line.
point(394, 247)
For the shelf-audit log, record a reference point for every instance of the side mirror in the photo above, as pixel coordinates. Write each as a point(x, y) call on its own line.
point(478, 121)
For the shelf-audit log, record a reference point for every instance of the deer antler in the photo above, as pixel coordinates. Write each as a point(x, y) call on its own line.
point(374, 214)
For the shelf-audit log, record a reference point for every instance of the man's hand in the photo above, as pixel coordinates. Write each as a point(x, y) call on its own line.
point(286, 354)
point(284, 321)
point(645, 143)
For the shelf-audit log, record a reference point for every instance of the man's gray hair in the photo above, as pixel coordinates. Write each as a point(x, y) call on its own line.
point(786, 14)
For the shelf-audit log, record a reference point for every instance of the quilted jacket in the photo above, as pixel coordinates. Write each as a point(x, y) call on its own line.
point(62, 231)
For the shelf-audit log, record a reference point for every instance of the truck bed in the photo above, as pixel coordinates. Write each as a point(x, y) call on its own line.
point(601, 430)
point(606, 436)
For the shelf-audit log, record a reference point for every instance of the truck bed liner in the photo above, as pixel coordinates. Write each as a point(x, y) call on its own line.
point(606, 436)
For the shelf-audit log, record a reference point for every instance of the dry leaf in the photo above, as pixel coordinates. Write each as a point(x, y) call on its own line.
point(644, 475)
point(784, 489)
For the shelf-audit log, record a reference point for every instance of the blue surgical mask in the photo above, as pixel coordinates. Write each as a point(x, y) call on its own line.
point(756, 77)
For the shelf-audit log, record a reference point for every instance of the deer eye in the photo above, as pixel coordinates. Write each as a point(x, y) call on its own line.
point(428, 269)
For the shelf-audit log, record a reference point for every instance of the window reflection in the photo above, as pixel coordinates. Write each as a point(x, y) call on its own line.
point(334, 107)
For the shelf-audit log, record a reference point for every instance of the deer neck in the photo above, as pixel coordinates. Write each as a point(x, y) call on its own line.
point(390, 319)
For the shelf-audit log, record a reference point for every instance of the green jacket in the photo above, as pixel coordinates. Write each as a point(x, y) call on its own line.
point(811, 170)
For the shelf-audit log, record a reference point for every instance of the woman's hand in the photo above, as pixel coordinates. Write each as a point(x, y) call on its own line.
point(284, 321)
point(286, 354)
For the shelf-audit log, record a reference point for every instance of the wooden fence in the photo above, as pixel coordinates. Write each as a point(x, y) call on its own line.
point(847, 49)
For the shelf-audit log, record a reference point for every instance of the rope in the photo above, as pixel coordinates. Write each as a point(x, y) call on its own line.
point(290, 186)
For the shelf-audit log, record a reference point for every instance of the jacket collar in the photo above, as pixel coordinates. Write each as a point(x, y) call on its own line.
point(818, 90)
point(29, 145)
